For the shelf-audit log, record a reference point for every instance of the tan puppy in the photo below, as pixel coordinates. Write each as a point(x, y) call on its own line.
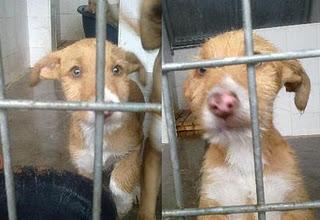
point(74, 67)
point(219, 96)
point(150, 30)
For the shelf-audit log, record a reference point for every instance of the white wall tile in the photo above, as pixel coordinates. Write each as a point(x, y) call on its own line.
point(38, 8)
point(305, 124)
point(40, 37)
point(302, 37)
point(14, 38)
point(276, 35)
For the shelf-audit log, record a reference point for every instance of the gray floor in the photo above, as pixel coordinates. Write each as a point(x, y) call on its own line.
point(191, 151)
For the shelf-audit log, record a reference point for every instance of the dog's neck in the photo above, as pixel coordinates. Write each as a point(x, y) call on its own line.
point(238, 147)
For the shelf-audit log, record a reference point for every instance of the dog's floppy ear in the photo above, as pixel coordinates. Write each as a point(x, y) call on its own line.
point(295, 79)
point(134, 64)
point(47, 68)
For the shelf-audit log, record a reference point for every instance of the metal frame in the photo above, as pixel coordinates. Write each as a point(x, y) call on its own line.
point(99, 106)
point(261, 207)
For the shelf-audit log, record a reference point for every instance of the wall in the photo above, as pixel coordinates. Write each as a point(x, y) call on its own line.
point(287, 118)
point(40, 38)
point(14, 38)
point(71, 20)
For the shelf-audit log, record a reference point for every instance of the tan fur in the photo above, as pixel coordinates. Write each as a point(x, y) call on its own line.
point(150, 32)
point(150, 24)
point(151, 177)
point(270, 77)
point(126, 141)
point(150, 184)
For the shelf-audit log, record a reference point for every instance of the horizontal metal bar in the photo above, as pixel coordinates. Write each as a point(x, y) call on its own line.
point(241, 60)
point(82, 106)
point(240, 209)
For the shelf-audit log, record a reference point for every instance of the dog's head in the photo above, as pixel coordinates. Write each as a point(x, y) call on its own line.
point(219, 96)
point(75, 67)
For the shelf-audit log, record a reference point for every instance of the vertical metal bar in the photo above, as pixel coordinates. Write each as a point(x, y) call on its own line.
point(8, 174)
point(169, 116)
point(170, 120)
point(258, 167)
point(99, 115)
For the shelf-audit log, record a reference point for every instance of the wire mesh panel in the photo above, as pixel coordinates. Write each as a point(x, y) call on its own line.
point(261, 207)
point(99, 107)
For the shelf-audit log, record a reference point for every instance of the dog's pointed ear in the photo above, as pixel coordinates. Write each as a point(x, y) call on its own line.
point(46, 68)
point(134, 65)
point(295, 79)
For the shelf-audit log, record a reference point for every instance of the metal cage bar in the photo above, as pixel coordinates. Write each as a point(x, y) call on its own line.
point(79, 106)
point(99, 107)
point(8, 174)
point(171, 126)
point(261, 208)
point(241, 209)
point(99, 115)
point(255, 128)
point(241, 60)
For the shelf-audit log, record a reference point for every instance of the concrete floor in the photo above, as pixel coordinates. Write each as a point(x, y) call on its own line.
point(191, 151)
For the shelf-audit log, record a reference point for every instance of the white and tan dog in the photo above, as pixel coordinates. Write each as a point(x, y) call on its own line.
point(219, 96)
point(74, 67)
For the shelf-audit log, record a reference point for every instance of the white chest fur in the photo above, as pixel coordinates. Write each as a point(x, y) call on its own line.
point(234, 183)
point(84, 159)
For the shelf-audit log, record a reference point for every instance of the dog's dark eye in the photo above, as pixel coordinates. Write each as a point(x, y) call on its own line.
point(116, 70)
point(202, 71)
point(76, 71)
point(259, 63)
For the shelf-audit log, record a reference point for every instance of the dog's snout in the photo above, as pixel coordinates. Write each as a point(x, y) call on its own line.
point(223, 104)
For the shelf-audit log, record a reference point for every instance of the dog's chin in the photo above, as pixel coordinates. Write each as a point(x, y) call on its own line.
point(216, 127)
point(112, 120)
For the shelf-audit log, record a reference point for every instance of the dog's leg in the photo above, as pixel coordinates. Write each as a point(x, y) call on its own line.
point(124, 182)
point(150, 184)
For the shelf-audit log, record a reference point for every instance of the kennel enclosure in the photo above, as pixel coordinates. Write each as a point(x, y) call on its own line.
point(99, 106)
point(249, 59)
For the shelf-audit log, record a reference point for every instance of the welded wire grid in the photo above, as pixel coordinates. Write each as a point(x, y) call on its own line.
point(261, 207)
point(99, 107)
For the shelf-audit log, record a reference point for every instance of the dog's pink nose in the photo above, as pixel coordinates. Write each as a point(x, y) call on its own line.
point(223, 104)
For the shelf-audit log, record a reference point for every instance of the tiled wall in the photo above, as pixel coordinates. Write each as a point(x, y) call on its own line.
point(287, 118)
point(14, 38)
point(71, 20)
point(40, 39)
